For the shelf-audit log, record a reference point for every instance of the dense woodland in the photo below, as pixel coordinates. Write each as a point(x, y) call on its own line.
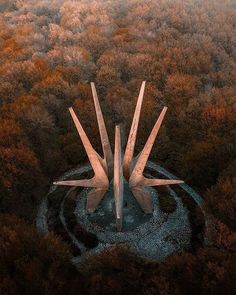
point(49, 52)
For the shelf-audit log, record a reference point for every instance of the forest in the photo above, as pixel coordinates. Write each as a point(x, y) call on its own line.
point(50, 51)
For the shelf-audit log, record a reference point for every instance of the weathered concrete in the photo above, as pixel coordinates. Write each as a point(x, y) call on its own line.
point(137, 181)
point(129, 151)
point(118, 180)
point(100, 180)
point(108, 156)
point(156, 182)
point(137, 173)
point(143, 198)
point(132, 169)
point(94, 198)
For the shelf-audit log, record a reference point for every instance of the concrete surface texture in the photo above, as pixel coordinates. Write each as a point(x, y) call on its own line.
point(118, 180)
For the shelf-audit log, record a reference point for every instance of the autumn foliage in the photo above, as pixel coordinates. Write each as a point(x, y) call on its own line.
point(185, 50)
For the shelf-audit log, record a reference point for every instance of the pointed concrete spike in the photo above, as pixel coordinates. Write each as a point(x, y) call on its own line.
point(142, 160)
point(94, 197)
point(92, 154)
point(118, 179)
point(81, 182)
point(103, 133)
point(156, 182)
point(143, 198)
point(129, 152)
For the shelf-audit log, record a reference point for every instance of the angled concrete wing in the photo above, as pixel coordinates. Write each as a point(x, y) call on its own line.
point(94, 198)
point(143, 198)
point(137, 173)
point(137, 181)
point(92, 154)
point(93, 182)
point(118, 179)
point(156, 182)
point(100, 180)
point(108, 156)
point(129, 151)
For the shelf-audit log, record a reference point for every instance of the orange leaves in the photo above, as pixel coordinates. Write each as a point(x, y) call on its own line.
point(24, 156)
point(41, 64)
point(31, 263)
point(217, 117)
point(221, 200)
point(179, 89)
point(18, 164)
point(121, 35)
point(10, 133)
point(220, 235)
point(181, 84)
point(108, 76)
point(119, 104)
point(213, 112)
point(11, 48)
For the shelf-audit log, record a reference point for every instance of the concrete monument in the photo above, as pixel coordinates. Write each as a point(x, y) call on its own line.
point(108, 168)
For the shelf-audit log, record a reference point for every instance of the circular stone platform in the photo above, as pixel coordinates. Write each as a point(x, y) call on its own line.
point(103, 219)
point(152, 236)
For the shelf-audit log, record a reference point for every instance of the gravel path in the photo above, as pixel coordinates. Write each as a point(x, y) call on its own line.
point(41, 219)
point(63, 221)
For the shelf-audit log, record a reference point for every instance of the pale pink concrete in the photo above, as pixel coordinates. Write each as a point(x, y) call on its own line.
point(143, 198)
point(100, 180)
point(129, 151)
point(137, 173)
point(105, 168)
point(137, 181)
point(156, 182)
point(108, 156)
point(118, 179)
point(94, 198)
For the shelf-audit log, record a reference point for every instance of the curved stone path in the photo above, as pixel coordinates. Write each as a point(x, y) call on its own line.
point(41, 218)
